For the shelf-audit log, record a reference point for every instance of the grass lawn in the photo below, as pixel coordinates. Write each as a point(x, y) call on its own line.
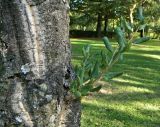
point(132, 100)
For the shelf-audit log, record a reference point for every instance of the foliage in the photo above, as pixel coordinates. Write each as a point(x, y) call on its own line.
point(90, 72)
point(93, 70)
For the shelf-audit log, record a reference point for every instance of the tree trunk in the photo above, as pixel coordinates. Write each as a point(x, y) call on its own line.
point(131, 11)
point(105, 24)
point(142, 33)
point(113, 25)
point(99, 25)
point(34, 59)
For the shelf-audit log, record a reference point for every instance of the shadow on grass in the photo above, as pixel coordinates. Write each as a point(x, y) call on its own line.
point(152, 52)
point(129, 96)
point(117, 117)
point(134, 89)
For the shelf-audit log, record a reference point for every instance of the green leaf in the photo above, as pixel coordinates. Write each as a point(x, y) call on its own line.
point(80, 82)
point(95, 72)
point(128, 46)
point(141, 40)
point(104, 58)
point(122, 22)
point(85, 89)
point(82, 74)
point(77, 69)
point(88, 66)
point(141, 27)
point(121, 57)
point(107, 44)
point(73, 86)
point(112, 75)
point(121, 39)
point(126, 25)
point(77, 94)
point(115, 56)
point(86, 50)
point(96, 89)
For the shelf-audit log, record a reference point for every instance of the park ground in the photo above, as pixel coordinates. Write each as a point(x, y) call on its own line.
point(132, 100)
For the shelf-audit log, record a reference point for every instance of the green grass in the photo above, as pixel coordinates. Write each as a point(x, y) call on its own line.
point(132, 100)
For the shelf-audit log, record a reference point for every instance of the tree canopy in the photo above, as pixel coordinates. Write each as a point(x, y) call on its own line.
point(103, 15)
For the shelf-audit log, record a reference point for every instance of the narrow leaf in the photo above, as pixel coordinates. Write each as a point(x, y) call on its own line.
point(141, 27)
point(88, 66)
point(80, 82)
point(112, 75)
point(121, 57)
point(107, 44)
point(126, 25)
point(77, 94)
point(141, 40)
point(95, 72)
point(140, 14)
point(86, 50)
point(96, 89)
point(121, 39)
point(85, 89)
point(115, 56)
point(128, 46)
point(104, 58)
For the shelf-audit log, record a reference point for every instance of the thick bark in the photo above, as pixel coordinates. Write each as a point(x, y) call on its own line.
point(35, 57)
point(99, 25)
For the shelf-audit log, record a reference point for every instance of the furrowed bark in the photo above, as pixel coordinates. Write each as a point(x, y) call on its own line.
point(35, 57)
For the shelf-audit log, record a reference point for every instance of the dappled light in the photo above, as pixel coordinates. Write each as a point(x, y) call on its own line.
point(130, 100)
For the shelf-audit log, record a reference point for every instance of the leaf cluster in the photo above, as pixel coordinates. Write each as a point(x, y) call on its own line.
point(93, 70)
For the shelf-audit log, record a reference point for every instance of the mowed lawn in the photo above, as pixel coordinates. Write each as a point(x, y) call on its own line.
point(132, 100)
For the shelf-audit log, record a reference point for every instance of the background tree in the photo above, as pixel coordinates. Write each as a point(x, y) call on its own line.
point(100, 15)
point(152, 14)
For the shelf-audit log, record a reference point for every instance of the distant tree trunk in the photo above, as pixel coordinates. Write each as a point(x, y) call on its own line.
point(142, 33)
point(99, 25)
point(131, 11)
point(34, 61)
point(113, 25)
point(105, 24)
